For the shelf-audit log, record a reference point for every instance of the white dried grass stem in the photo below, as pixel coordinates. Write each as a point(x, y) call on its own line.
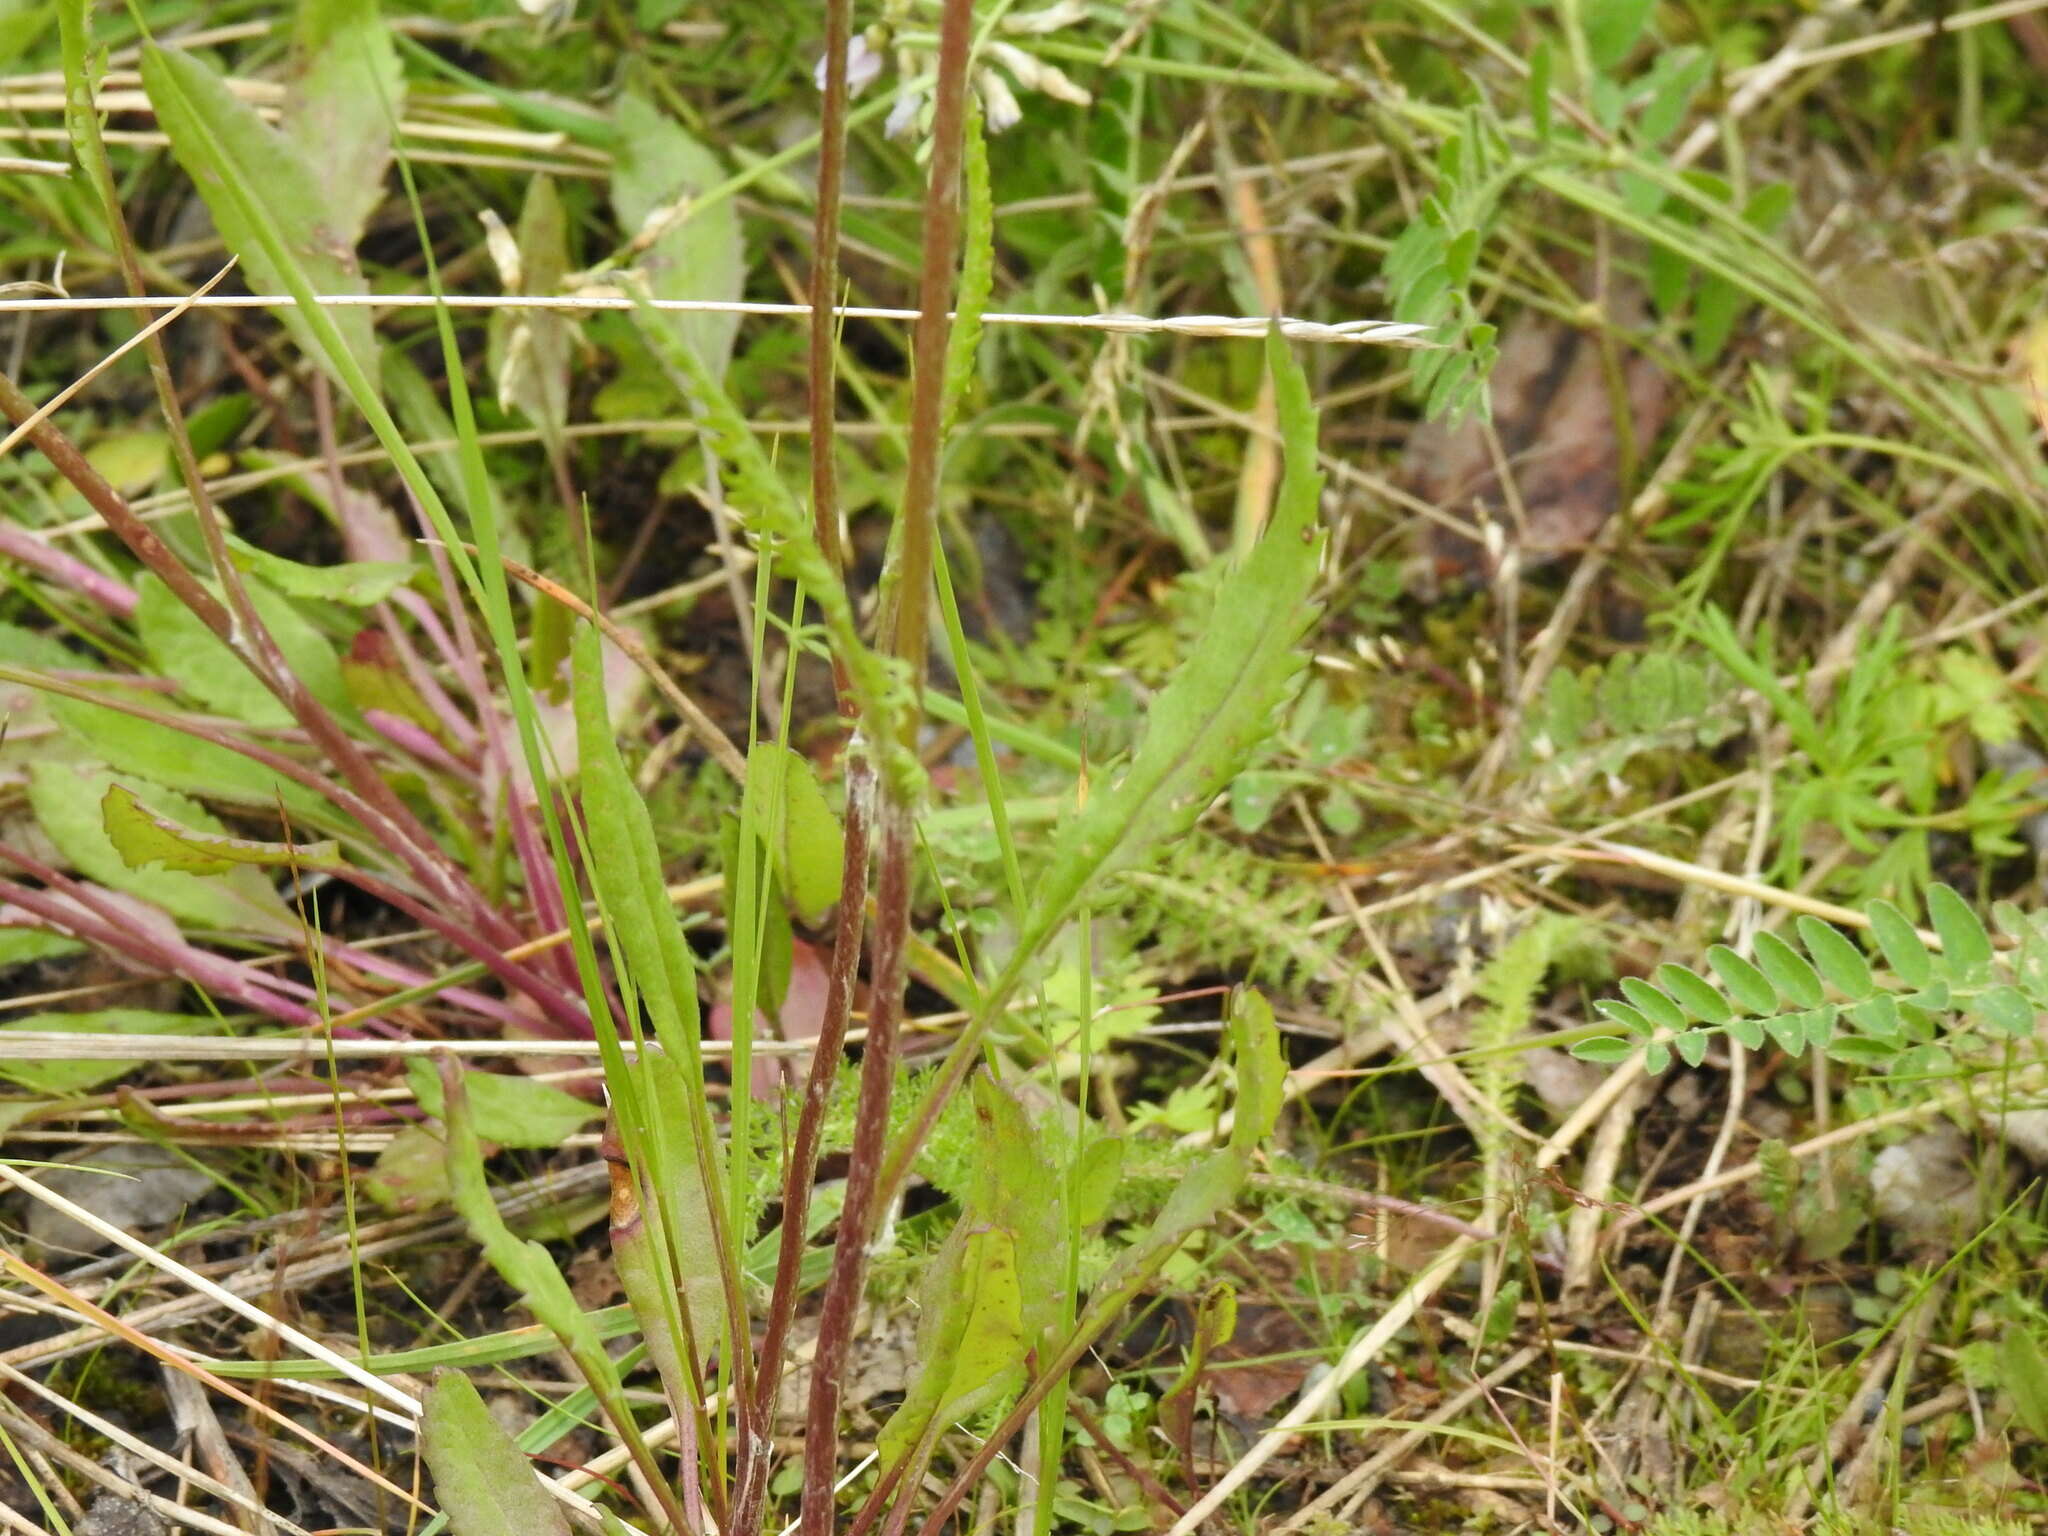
point(1243, 327)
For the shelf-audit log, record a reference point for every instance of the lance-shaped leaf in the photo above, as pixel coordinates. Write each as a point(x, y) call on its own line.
point(808, 845)
point(686, 251)
point(663, 1118)
point(143, 836)
point(164, 754)
point(357, 583)
point(184, 649)
point(485, 1484)
point(1261, 1070)
point(1209, 720)
point(993, 1291)
point(265, 198)
point(345, 94)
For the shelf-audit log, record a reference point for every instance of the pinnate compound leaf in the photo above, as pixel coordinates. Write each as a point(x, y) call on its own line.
point(67, 800)
point(1903, 948)
point(1839, 962)
point(347, 90)
point(265, 198)
point(1694, 993)
point(1216, 711)
point(512, 1111)
point(1965, 946)
point(143, 836)
point(1796, 981)
point(1747, 985)
point(483, 1480)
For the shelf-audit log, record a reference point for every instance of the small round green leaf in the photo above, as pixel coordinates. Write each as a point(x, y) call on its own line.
point(1695, 994)
point(1840, 963)
point(1901, 943)
point(1965, 946)
point(1691, 1046)
point(1745, 983)
point(1748, 1033)
point(1878, 1017)
point(1789, 1030)
point(1656, 1057)
point(1797, 982)
point(2006, 1010)
point(1627, 1017)
point(1654, 1005)
point(1861, 1051)
point(1604, 1050)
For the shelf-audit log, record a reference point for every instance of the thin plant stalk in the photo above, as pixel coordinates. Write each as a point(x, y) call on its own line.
point(800, 1168)
point(906, 627)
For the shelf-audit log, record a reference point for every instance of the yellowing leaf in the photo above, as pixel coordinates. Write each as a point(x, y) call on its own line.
point(141, 836)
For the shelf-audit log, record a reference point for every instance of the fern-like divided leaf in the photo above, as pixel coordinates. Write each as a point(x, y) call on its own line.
point(1907, 1010)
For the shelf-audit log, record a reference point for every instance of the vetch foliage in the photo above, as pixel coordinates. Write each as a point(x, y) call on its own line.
point(1914, 1010)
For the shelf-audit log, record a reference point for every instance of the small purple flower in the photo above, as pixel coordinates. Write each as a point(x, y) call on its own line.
point(863, 65)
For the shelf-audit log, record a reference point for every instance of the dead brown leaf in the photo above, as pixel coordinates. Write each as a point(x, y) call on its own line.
point(1553, 418)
